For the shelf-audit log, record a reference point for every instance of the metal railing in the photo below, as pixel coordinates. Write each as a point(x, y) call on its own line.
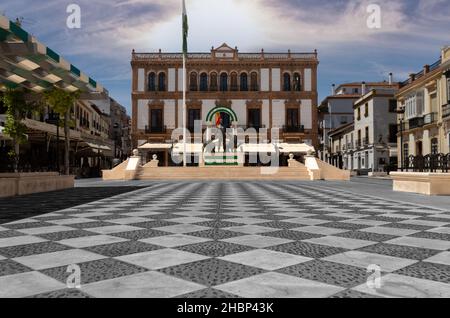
point(416, 122)
point(366, 141)
point(206, 56)
point(257, 127)
point(430, 118)
point(155, 130)
point(422, 73)
point(429, 163)
point(445, 111)
point(294, 129)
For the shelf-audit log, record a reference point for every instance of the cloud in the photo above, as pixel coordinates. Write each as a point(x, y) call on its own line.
point(411, 34)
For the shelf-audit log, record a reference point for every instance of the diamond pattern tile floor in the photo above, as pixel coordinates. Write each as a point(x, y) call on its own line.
point(228, 240)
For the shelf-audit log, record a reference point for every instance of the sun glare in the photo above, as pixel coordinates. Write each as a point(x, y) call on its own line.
point(210, 22)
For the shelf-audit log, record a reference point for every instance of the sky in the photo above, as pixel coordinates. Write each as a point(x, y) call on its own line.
point(410, 34)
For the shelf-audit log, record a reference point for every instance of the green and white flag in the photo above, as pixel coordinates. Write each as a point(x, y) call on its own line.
point(185, 29)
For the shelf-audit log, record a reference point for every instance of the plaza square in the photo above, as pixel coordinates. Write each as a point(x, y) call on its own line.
point(188, 240)
point(262, 152)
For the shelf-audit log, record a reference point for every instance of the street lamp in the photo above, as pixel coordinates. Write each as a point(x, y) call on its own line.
point(401, 112)
point(115, 136)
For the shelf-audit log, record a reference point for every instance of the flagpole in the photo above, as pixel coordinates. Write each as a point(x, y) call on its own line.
point(185, 35)
point(184, 111)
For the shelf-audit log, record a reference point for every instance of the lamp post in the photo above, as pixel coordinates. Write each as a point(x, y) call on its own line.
point(401, 112)
point(116, 137)
point(401, 145)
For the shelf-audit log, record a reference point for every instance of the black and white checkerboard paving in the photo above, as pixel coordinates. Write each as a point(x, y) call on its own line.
point(225, 239)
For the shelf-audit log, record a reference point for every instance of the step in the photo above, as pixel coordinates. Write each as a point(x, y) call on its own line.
point(217, 173)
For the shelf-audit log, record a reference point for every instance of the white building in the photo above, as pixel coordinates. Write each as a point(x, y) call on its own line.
point(369, 145)
point(337, 109)
point(246, 90)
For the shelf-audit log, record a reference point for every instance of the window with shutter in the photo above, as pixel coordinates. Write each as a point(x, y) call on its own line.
point(419, 103)
point(448, 89)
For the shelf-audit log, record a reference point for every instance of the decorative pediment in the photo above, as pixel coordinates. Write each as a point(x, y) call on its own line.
point(431, 86)
point(194, 103)
point(225, 48)
point(254, 103)
point(292, 103)
point(224, 52)
point(223, 103)
point(156, 103)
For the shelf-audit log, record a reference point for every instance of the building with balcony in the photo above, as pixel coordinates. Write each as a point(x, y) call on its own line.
point(337, 109)
point(32, 68)
point(424, 115)
point(369, 144)
point(375, 131)
point(341, 146)
point(240, 90)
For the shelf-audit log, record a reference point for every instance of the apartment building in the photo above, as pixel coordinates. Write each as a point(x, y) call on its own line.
point(245, 90)
point(424, 111)
point(337, 109)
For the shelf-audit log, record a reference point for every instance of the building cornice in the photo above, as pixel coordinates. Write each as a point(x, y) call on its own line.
point(342, 129)
point(421, 82)
point(371, 95)
point(226, 95)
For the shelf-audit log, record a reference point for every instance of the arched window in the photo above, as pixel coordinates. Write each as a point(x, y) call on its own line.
point(204, 82)
point(213, 83)
point(234, 82)
point(193, 86)
point(223, 82)
point(244, 82)
point(151, 82)
point(286, 82)
point(162, 82)
point(254, 82)
point(297, 82)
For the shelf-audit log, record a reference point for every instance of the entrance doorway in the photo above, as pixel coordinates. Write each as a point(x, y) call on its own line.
point(254, 118)
point(419, 148)
point(226, 120)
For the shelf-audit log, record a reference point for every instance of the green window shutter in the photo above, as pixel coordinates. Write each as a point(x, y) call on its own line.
point(52, 54)
point(75, 70)
point(92, 82)
point(18, 31)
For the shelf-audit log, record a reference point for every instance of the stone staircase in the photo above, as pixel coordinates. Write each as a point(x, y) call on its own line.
point(224, 173)
point(226, 167)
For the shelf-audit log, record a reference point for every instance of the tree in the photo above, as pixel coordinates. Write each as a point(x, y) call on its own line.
point(17, 108)
point(62, 102)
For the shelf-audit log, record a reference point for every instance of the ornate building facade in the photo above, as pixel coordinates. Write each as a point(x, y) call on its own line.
point(424, 112)
point(245, 90)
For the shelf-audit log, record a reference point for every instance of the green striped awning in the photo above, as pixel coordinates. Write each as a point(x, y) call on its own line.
point(24, 61)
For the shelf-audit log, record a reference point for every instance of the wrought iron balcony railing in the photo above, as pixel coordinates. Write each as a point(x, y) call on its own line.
point(446, 111)
point(430, 118)
point(430, 163)
point(366, 141)
point(294, 129)
point(155, 130)
point(416, 122)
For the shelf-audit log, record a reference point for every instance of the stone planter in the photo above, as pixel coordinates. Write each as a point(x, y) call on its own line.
point(13, 184)
point(423, 183)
